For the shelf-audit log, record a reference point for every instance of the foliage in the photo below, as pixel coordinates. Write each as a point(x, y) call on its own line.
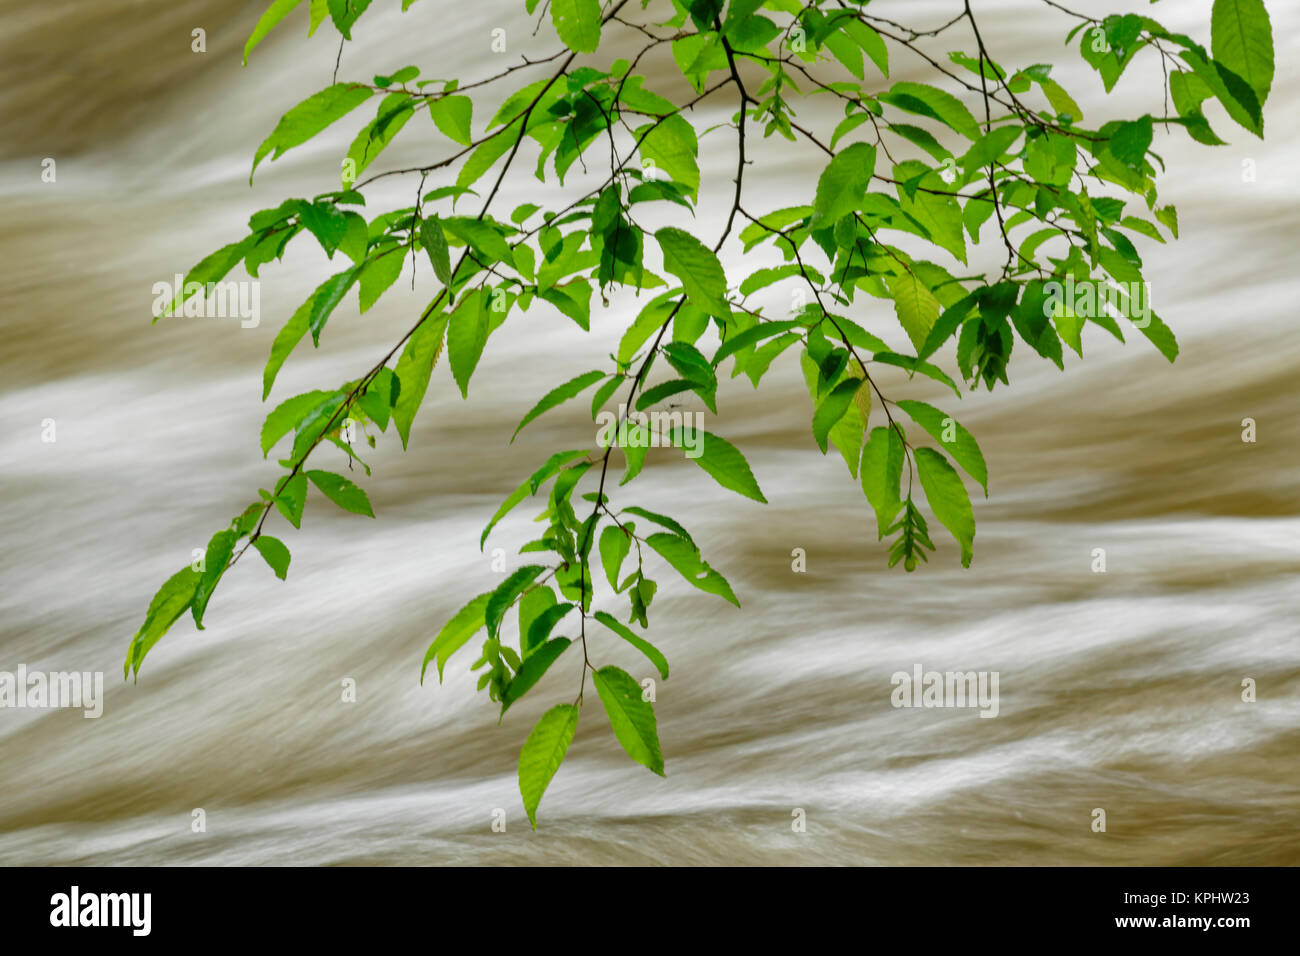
point(1023, 171)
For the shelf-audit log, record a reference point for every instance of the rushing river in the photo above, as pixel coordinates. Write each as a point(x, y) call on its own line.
point(1119, 690)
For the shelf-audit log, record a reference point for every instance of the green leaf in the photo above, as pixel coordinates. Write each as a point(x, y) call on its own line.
point(1061, 101)
point(871, 44)
point(763, 278)
point(540, 627)
point(832, 409)
point(635, 441)
point(275, 552)
point(615, 543)
point(319, 11)
point(912, 365)
point(288, 414)
point(661, 520)
point(560, 395)
point(316, 424)
point(327, 298)
point(517, 103)
point(553, 465)
point(522, 212)
point(534, 666)
point(291, 499)
point(843, 183)
point(940, 216)
point(753, 34)
point(463, 625)
point(756, 367)
point(962, 446)
point(310, 117)
point(578, 23)
point(453, 115)
point(922, 138)
point(673, 146)
point(632, 718)
point(285, 341)
point(602, 394)
point(1188, 92)
point(1048, 159)
point(664, 390)
point(572, 299)
point(695, 368)
point(356, 240)
point(648, 321)
point(467, 333)
point(980, 67)
point(516, 496)
point(848, 125)
point(212, 268)
point(276, 12)
point(697, 54)
point(345, 13)
point(698, 269)
point(395, 111)
point(881, 473)
point(846, 51)
point(542, 754)
point(947, 497)
point(641, 644)
point(413, 370)
point(376, 399)
point(990, 148)
point(215, 561)
point(342, 492)
point(435, 242)
point(378, 274)
point(505, 594)
point(171, 601)
point(1242, 40)
point(949, 321)
point(404, 75)
point(1160, 335)
point(721, 459)
point(685, 558)
point(1168, 217)
point(531, 606)
point(931, 101)
point(915, 305)
point(738, 11)
point(751, 336)
point(1130, 142)
point(1237, 96)
point(847, 434)
point(488, 152)
point(481, 237)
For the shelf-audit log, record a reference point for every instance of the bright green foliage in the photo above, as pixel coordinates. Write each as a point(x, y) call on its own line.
point(542, 754)
point(276, 554)
point(631, 716)
point(974, 152)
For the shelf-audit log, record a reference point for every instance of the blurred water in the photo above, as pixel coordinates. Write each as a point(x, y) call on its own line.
point(1118, 691)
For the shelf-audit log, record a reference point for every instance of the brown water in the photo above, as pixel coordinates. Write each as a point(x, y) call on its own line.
point(1118, 690)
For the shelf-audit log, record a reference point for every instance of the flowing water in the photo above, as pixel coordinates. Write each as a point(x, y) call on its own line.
point(1119, 691)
